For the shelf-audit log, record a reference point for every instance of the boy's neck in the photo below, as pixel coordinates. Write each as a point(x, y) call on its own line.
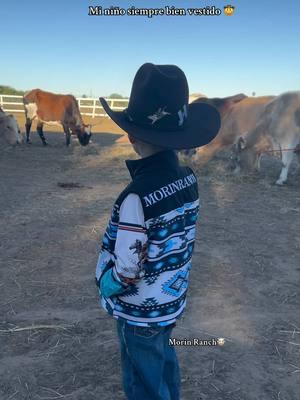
point(148, 152)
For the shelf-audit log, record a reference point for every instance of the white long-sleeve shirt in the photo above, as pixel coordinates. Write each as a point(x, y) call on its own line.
point(130, 238)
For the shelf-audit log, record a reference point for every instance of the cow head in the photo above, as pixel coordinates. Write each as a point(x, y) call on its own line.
point(84, 134)
point(223, 105)
point(10, 130)
point(243, 157)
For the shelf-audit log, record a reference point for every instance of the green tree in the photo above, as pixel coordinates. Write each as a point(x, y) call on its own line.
point(115, 96)
point(10, 90)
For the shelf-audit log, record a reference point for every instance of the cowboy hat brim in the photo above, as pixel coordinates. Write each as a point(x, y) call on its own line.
point(201, 127)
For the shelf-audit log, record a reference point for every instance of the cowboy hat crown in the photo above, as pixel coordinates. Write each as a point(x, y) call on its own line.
point(158, 111)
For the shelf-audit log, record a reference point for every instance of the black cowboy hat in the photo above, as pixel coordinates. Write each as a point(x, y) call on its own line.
point(158, 111)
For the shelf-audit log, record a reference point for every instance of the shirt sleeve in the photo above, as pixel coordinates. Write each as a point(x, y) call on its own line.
point(125, 261)
point(131, 237)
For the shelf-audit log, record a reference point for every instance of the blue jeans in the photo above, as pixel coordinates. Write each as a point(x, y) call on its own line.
point(149, 365)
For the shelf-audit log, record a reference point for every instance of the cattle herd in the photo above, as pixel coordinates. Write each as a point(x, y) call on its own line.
point(251, 126)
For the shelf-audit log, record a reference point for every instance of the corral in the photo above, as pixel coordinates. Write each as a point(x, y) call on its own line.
point(56, 343)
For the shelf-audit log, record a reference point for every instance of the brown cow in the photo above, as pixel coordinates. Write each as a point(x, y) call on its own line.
point(52, 108)
point(239, 114)
point(277, 132)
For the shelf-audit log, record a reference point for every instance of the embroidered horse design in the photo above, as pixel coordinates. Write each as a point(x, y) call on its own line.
point(137, 245)
point(141, 250)
point(159, 114)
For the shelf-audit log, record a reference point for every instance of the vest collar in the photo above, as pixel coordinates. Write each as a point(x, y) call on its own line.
point(161, 160)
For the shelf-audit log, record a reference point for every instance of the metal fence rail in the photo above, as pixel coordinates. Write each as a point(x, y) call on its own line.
point(14, 104)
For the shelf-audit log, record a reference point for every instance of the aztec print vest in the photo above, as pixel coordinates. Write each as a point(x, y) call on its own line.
point(169, 197)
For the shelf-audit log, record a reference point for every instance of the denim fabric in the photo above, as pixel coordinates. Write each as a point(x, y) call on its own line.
point(149, 365)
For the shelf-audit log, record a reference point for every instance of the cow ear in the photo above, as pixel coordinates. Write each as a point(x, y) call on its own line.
point(241, 144)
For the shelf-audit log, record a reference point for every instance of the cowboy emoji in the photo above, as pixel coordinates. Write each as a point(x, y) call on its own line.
point(229, 10)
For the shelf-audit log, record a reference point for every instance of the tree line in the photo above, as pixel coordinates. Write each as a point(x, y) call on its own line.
point(4, 89)
point(10, 90)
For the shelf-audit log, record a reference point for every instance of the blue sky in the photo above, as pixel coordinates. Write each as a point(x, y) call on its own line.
point(56, 46)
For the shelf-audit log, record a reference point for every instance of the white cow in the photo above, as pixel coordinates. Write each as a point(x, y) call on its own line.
point(239, 114)
point(9, 129)
point(277, 131)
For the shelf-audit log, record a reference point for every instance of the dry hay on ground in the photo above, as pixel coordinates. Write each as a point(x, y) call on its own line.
point(57, 343)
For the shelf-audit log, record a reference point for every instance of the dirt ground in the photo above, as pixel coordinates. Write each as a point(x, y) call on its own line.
point(57, 343)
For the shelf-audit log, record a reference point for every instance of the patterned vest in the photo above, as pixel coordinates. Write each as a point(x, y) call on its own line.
point(169, 197)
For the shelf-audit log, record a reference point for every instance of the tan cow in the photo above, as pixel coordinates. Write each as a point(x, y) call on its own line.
point(51, 108)
point(239, 114)
point(277, 132)
point(9, 129)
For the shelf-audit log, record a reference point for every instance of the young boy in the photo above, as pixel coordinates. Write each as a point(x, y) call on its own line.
point(144, 263)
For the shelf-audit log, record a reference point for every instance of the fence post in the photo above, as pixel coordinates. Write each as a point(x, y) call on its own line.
point(94, 108)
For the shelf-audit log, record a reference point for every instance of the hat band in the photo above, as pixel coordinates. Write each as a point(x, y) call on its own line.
point(161, 120)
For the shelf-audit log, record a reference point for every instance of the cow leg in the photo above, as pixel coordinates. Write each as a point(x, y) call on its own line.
point(68, 134)
point(287, 158)
point(257, 166)
point(39, 129)
point(297, 151)
point(28, 127)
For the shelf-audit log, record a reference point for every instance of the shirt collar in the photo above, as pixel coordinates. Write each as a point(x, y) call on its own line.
point(161, 160)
